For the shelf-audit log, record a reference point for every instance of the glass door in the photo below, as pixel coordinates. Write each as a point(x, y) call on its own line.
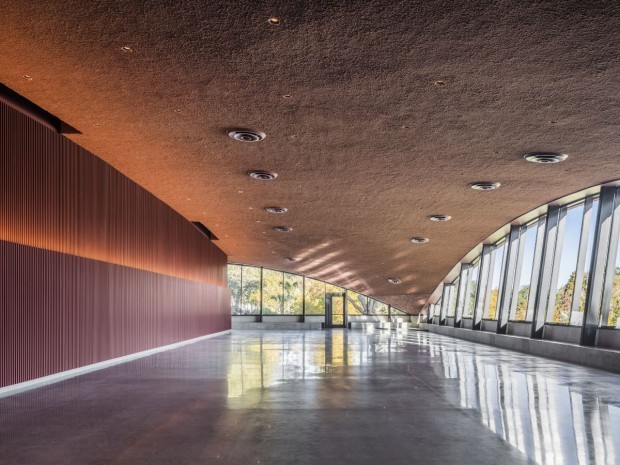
point(334, 310)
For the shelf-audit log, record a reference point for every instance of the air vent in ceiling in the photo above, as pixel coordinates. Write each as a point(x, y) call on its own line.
point(393, 281)
point(247, 135)
point(440, 218)
point(484, 185)
point(276, 209)
point(419, 240)
point(262, 175)
point(545, 157)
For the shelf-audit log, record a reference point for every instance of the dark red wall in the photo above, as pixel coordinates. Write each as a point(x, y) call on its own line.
point(92, 266)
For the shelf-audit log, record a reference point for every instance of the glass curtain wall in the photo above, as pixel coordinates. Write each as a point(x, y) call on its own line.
point(279, 293)
point(250, 290)
point(315, 297)
point(584, 234)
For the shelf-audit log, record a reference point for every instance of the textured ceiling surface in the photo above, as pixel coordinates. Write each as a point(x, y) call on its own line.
point(369, 142)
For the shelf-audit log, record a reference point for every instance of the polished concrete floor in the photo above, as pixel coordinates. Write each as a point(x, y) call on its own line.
point(321, 397)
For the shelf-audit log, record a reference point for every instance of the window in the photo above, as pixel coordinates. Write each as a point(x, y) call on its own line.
point(234, 284)
point(613, 316)
point(521, 310)
point(571, 263)
point(293, 294)
point(377, 308)
point(453, 294)
point(357, 304)
point(290, 294)
point(471, 289)
point(315, 297)
point(496, 272)
point(250, 290)
point(584, 265)
point(565, 264)
point(273, 292)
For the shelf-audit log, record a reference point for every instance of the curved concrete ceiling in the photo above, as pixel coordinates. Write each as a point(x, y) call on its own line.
point(394, 107)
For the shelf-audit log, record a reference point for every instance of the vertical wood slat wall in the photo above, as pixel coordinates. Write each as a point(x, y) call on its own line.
point(92, 266)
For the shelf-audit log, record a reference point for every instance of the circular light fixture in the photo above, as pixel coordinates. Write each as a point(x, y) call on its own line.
point(283, 229)
point(484, 185)
point(126, 49)
point(276, 209)
point(439, 218)
point(290, 259)
point(27, 77)
point(287, 96)
point(262, 175)
point(247, 135)
point(545, 157)
point(274, 21)
point(419, 240)
point(439, 83)
point(393, 281)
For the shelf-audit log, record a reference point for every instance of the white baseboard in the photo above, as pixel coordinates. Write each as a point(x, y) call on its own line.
point(56, 377)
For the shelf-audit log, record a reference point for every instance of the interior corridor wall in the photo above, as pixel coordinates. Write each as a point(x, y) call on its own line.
point(92, 266)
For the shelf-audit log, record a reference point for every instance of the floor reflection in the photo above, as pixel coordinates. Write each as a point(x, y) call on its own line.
point(269, 359)
point(554, 413)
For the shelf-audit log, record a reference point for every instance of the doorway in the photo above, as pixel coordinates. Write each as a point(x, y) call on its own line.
point(335, 315)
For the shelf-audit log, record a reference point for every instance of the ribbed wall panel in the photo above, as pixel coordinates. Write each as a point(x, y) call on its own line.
point(57, 196)
point(92, 266)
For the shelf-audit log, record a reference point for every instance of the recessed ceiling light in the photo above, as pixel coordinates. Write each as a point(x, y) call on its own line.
point(439, 217)
point(283, 229)
point(439, 83)
point(393, 281)
point(276, 209)
point(419, 240)
point(274, 21)
point(290, 259)
point(545, 157)
point(27, 77)
point(484, 185)
point(287, 96)
point(247, 135)
point(126, 49)
point(262, 175)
